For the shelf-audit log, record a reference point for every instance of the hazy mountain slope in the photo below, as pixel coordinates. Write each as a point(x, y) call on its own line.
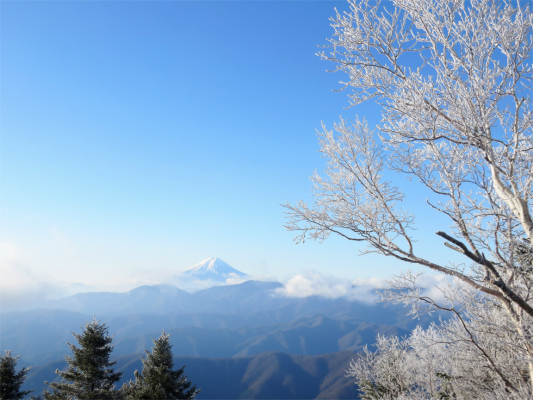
point(39, 336)
point(245, 298)
point(156, 299)
point(248, 297)
point(308, 336)
point(42, 337)
point(276, 375)
point(248, 303)
point(316, 335)
point(192, 341)
point(134, 325)
point(269, 375)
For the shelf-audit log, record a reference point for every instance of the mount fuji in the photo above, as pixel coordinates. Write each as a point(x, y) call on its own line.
point(211, 271)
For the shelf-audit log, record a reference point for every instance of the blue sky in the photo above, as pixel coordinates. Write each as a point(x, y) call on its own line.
point(138, 138)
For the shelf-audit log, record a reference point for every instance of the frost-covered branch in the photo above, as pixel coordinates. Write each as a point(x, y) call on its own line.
point(454, 82)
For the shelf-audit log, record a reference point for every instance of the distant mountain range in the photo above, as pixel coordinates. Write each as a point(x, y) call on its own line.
point(225, 321)
point(257, 342)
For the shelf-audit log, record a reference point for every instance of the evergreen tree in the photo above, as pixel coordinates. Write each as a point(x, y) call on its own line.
point(11, 381)
point(158, 380)
point(89, 374)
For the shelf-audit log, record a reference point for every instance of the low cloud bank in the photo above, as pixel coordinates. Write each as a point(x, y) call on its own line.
point(22, 287)
point(19, 285)
point(313, 283)
point(194, 285)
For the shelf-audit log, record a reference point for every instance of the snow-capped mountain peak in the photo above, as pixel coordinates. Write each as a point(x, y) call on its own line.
point(213, 268)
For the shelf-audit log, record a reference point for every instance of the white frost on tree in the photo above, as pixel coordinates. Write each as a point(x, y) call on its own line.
point(476, 354)
point(454, 85)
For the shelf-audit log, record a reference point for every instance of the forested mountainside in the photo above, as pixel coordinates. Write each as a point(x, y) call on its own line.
point(266, 375)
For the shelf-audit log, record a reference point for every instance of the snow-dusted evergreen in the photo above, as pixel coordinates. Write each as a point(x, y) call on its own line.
point(454, 80)
point(89, 374)
point(10, 379)
point(158, 379)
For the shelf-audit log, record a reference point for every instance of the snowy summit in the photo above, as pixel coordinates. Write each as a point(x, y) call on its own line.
point(213, 269)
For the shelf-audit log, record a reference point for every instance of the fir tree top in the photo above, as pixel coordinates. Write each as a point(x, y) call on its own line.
point(89, 374)
point(158, 379)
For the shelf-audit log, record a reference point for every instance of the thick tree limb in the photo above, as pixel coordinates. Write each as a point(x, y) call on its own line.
point(497, 281)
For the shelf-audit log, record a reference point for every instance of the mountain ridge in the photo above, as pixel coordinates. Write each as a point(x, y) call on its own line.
point(269, 375)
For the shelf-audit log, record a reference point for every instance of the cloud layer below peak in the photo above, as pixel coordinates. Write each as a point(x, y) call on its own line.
point(313, 283)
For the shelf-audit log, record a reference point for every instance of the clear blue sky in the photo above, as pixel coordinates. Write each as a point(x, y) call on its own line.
point(145, 136)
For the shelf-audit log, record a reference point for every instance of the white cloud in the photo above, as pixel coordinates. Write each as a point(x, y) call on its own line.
point(235, 279)
point(22, 286)
point(192, 285)
point(19, 285)
point(313, 283)
point(435, 285)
